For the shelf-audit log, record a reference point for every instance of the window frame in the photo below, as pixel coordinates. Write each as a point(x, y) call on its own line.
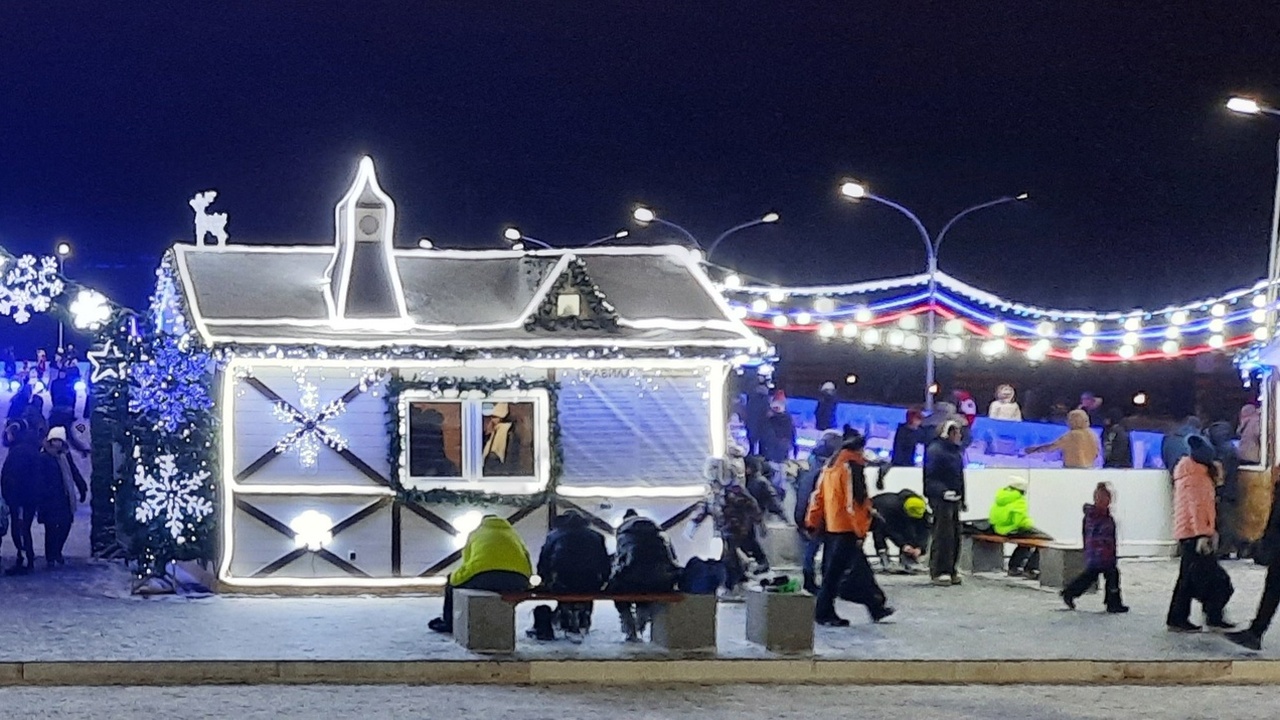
point(472, 470)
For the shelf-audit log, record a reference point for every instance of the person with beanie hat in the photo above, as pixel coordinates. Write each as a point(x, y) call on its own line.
point(824, 416)
point(840, 509)
point(1195, 528)
point(903, 518)
point(20, 487)
point(61, 485)
point(1009, 516)
point(1099, 532)
point(944, 486)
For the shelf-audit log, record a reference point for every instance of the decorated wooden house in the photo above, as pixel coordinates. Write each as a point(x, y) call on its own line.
point(375, 401)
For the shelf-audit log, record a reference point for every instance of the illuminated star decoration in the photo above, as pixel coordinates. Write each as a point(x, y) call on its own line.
point(169, 494)
point(30, 287)
point(311, 424)
point(106, 362)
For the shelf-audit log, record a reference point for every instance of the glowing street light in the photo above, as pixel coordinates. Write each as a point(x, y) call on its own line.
point(1243, 105)
point(644, 215)
point(518, 239)
point(63, 251)
point(1249, 106)
point(766, 219)
point(853, 190)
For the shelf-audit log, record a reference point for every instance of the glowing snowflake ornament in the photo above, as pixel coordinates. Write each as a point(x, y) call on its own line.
point(311, 424)
point(169, 494)
point(89, 311)
point(30, 287)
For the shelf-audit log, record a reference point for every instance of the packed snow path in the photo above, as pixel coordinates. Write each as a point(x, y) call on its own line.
point(751, 702)
point(85, 612)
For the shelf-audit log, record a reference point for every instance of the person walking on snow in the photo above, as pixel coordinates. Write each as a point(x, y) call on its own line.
point(1005, 406)
point(826, 448)
point(944, 487)
point(1194, 527)
point(20, 488)
point(1099, 533)
point(1268, 554)
point(840, 509)
point(61, 485)
point(824, 417)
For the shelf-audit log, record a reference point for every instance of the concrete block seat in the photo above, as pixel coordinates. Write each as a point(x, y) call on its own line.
point(781, 622)
point(485, 622)
point(1060, 563)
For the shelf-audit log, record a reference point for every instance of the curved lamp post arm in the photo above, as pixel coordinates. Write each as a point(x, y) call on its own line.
point(536, 241)
point(681, 230)
point(732, 230)
point(937, 243)
point(924, 233)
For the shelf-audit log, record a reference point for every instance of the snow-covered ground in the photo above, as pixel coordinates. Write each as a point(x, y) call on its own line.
point(760, 702)
point(85, 612)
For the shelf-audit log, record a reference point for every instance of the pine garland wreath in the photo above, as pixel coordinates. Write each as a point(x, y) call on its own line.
point(598, 313)
point(397, 385)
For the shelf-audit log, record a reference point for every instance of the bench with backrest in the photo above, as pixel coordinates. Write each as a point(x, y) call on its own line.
point(1060, 563)
point(485, 622)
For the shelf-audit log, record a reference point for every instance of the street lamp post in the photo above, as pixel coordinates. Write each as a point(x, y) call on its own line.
point(1247, 106)
point(857, 191)
point(767, 218)
point(517, 239)
point(62, 250)
point(645, 215)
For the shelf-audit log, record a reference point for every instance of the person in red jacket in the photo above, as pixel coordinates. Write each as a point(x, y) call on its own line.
point(1194, 526)
point(840, 508)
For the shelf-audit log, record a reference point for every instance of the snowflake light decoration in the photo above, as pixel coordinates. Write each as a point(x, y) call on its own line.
point(170, 495)
point(90, 310)
point(171, 383)
point(30, 287)
point(311, 424)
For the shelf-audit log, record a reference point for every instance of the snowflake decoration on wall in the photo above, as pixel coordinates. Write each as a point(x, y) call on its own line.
point(311, 423)
point(170, 495)
point(30, 287)
point(169, 384)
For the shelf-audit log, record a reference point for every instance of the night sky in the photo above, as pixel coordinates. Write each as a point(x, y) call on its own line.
point(559, 116)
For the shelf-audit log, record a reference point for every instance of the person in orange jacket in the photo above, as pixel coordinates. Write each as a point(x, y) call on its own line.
point(840, 509)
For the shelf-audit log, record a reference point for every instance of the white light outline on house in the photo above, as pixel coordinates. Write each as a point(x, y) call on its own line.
point(365, 177)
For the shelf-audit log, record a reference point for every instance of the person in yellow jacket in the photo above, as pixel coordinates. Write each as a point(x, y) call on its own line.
point(493, 559)
point(840, 508)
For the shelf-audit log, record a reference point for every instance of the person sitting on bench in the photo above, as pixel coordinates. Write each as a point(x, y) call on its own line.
point(573, 560)
point(1009, 517)
point(904, 519)
point(644, 563)
point(494, 559)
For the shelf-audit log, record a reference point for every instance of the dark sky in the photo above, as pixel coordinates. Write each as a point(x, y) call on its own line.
point(559, 115)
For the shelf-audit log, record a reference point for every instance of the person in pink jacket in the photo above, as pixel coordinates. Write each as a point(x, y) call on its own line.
point(1194, 526)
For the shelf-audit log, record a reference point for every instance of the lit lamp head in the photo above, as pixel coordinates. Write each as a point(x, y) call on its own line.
point(644, 215)
point(853, 190)
point(1244, 106)
point(63, 249)
point(621, 234)
point(771, 217)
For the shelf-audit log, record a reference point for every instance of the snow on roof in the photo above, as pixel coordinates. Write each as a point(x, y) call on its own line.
point(247, 294)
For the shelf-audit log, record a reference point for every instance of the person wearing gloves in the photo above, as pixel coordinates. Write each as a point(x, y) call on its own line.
point(904, 519)
point(840, 509)
point(61, 484)
point(1009, 516)
point(1194, 527)
point(944, 487)
point(494, 559)
point(1079, 445)
point(1005, 406)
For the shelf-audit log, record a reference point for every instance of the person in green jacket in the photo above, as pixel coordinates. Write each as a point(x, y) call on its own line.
point(1009, 516)
point(494, 559)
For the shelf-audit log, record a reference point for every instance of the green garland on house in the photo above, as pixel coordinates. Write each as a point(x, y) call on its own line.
point(453, 387)
point(599, 313)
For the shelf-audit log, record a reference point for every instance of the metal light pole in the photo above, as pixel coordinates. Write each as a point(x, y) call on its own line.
point(767, 218)
point(62, 251)
point(1247, 106)
point(857, 191)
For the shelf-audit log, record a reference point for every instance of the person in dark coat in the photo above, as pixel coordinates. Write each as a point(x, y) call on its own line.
point(756, 413)
point(62, 391)
point(944, 487)
point(573, 559)
point(644, 563)
point(1099, 532)
point(18, 403)
point(761, 490)
point(1228, 493)
point(778, 443)
point(908, 435)
point(60, 485)
point(904, 519)
point(1268, 554)
point(20, 488)
point(822, 452)
point(824, 417)
point(1117, 450)
point(1175, 445)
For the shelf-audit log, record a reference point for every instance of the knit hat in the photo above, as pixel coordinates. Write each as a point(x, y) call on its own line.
point(57, 433)
point(914, 507)
point(1019, 483)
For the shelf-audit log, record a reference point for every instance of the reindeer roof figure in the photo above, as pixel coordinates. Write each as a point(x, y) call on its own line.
point(208, 223)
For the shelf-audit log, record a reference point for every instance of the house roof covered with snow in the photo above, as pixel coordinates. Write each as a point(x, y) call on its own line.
point(362, 292)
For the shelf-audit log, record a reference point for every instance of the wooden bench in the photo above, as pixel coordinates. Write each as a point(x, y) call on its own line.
point(485, 622)
point(1059, 563)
